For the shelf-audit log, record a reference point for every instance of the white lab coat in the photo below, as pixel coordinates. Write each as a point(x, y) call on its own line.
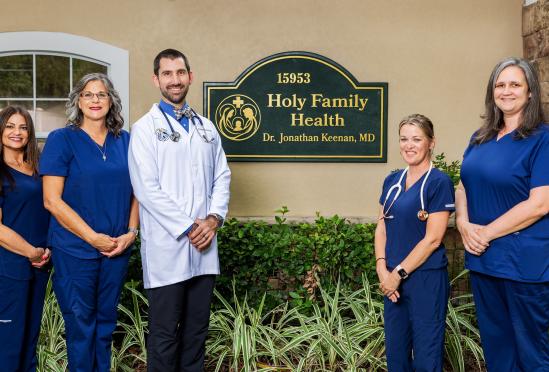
point(175, 183)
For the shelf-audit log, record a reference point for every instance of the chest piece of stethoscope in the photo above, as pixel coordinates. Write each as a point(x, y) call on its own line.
point(175, 136)
point(422, 214)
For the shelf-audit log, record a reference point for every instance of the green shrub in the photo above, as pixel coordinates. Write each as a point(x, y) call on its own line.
point(284, 259)
point(451, 169)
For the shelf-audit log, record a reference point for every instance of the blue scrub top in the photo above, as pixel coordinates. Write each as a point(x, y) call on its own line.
point(405, 230)
point(497, 175)
point(98, 191)
point(23, 211)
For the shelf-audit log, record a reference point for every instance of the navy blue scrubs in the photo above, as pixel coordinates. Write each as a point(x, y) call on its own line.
point(414, 326)
point(22, 287)
point(86, 283)
point(510, 279)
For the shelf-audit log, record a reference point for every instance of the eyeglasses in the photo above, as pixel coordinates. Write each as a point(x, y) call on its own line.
point(88, 96)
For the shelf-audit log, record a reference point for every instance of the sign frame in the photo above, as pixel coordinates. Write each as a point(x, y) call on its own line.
point(380, 157)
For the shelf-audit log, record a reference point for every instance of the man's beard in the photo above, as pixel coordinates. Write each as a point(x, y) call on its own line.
point(174, 99)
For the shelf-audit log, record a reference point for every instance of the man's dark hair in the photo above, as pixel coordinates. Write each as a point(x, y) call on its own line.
point(171, 54)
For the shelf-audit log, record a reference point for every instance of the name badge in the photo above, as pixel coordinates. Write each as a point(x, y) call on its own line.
point(162, 134)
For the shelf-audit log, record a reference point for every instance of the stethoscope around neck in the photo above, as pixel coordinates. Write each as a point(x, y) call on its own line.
point(422, 214)
point(190, 114)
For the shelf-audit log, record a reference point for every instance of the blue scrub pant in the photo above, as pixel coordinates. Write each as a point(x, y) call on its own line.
point(21, 305)
point(88, 291)
point(513, 318)
point(415, 325)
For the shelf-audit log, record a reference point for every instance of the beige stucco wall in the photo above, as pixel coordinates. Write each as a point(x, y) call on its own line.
point(436, 56)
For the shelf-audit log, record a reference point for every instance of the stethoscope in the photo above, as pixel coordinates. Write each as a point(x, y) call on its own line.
point(422, 214)
point(190, 114)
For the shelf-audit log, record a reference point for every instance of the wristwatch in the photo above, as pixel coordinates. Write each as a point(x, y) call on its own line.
point(134, 230)
point(403, 274)
point(219, 219)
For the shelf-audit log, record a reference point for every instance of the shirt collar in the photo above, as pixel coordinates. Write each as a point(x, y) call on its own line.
point(169, 109)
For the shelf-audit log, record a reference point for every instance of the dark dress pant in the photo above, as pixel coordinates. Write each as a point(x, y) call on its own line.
point(179, 316)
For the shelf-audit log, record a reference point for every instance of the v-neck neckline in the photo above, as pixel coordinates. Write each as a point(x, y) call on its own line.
point(415, 183)
point(498, 140)
point(93, 141)
point(18, 171)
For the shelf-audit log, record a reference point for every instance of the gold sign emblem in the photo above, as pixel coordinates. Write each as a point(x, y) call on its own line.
point(238, 117)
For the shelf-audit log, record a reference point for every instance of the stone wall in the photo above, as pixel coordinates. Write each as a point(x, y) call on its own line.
point(535, 34)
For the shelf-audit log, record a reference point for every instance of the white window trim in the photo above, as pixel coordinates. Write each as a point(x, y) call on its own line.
point(116, 58)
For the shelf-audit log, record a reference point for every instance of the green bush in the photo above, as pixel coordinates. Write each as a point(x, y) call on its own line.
point(284, 259)
point(451, 169)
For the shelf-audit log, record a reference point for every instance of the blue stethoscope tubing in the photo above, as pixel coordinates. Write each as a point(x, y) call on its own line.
point(422, 214)
point(174, 136)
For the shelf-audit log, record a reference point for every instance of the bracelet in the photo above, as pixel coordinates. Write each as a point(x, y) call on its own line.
point(381, 258)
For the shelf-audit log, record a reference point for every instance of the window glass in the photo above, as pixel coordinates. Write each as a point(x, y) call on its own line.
point(28, 104)
point(81, 67)
point(52, 76)
point(16, 76)
point(49, 115)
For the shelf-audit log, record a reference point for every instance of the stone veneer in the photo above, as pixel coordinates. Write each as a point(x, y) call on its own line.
point(535, 36)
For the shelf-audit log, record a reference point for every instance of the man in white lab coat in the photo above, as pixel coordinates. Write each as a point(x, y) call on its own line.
point(180, 177)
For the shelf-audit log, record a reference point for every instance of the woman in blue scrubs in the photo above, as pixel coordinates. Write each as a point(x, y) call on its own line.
point(415, 205)
point(502, 204)
point(87, 189)
point(23, 234)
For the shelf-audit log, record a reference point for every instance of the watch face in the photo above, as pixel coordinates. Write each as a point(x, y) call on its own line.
point(218, 218)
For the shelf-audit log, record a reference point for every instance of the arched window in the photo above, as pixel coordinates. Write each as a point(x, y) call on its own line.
point(38, 69)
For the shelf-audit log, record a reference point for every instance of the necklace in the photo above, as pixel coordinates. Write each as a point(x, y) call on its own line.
point(103, 153)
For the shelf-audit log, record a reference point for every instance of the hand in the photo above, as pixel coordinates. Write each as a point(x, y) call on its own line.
point(103, 242)
point(202, 234)
point(383, 274)
point(122, 243)
point(36, 255)
point(390, 284)
point(45, 258)
point(474, 237)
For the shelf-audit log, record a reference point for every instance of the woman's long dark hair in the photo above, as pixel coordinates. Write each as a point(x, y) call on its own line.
point(532, 114)
point(31, 151)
